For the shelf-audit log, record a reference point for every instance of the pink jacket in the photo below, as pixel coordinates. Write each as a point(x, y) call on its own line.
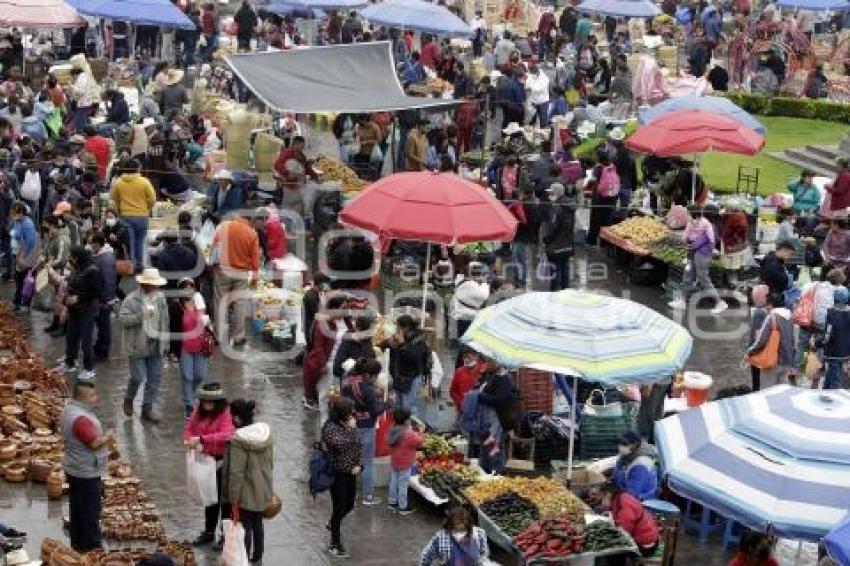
point(214, 433)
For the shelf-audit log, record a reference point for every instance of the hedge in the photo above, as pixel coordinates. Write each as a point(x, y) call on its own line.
point(792, 107)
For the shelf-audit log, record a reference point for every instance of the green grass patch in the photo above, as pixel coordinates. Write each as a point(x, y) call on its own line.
point(721, 170)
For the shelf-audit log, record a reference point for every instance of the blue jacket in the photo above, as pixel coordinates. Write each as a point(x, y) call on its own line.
point(34, 128)
point(233, 200)
point(837, 339)
point(514, 93)
point(105, 262)
point(413, 73)
point(638, 475)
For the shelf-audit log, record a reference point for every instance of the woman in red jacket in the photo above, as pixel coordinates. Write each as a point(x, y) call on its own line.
point(210, 428)
point(734, 234)
point(628, 514)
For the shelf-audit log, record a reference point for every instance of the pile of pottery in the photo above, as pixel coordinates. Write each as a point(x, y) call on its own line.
point(54, 553)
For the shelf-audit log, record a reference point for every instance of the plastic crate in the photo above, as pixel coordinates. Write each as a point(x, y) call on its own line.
point(536, 390)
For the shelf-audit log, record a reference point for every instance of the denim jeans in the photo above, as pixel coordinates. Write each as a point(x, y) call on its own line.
point(834, 374)
point(541, 114)
point(148, 369)
point(519, 256)
point(561, 273)
point(137, 230)
point(104, 331)
point(80, 333)
point(399, 482)
point(409, 400)
point(495, 463)
point(625, 197)
point(193, 372)
point(367, 476)
point(80, 118)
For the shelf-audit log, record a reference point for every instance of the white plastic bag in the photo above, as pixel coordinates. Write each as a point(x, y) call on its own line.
point(233, 553)
point(205, 235)
point(200, 478)
point(436, 371)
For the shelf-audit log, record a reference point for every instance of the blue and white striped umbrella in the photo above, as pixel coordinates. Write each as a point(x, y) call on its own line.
point(777, 459)
point(598, 338)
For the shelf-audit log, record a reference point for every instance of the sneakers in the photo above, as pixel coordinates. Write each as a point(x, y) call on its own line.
point(86, 375)
point(719, 308)
point(151, 416)
point(370, 501)
point(309, 404)
point(392, 506)
point(338, 551)
point(405, 511)
point(128, 408)
point(64, 367)
point(203, 539)
point(678, 304)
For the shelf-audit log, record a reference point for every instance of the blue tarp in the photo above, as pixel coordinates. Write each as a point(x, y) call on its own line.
point(815, 5)
point(714, 104)
point(143, 12)
point(417, 15)
point(621, 8)
point(837, 543)
point(329, 4)
point(294, 10)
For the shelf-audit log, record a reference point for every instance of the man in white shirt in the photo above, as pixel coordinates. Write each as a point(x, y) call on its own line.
point(477, 22)
point(537, 85)
point(504, 48)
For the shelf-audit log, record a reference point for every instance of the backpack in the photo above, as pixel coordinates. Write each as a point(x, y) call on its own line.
point(609, 182)
point(31, 187)
point(352, 390)
point(572, 171)
point(320, 470)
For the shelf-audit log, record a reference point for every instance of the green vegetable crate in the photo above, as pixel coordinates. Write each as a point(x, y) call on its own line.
point(599, 434)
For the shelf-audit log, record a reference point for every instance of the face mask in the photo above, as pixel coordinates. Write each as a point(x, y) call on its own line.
point(89, 248)
point(470, 363)
point(111, 221)
point(553, 198)
point(624, 450)
point(459, 535)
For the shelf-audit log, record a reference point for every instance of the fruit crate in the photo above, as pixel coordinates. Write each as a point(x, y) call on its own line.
point(536, 390)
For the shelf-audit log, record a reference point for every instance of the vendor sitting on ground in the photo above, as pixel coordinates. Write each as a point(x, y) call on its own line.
point(635, 470)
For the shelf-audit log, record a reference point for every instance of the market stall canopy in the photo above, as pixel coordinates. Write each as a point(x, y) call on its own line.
point(815, 5)
point(294, 10)
point(431, 207)
point(694, 131)
point(417, 15)
point(600, 339)
point(777, 459)
point(143, 12)
point(359, 77)
point(621, 8)
point(329, 4)
point(33, 14)
point(837, 542)
point(713, 104)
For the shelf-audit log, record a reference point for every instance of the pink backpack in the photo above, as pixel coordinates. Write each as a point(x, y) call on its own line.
point(571, 171)
point(609, 182)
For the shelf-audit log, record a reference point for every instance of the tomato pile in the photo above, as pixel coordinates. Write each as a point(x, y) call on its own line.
point(551, 538)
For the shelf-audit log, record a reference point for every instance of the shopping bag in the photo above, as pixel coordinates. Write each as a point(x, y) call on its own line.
point(28, 290)
point(200, 478)
point(233, 553)
point(42, 278)
point(767, 357)
point(813, 365)
point(603, 409)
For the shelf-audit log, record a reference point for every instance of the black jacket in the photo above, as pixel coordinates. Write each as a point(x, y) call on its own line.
point(568, 21)
point(246, 20)
point(87, 284)
point(174, 261)
point(408, 361)
point(529, 230)
point(774, 273)
point(559, 228)
point(499, 393)
point(119, 111)
point(350, 348)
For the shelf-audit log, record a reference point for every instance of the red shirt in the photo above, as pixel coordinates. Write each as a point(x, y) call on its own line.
point(403, 453)
point(213, 432)
point(430, 55)
point(192, 327)
point(629, 515)
point(462, 383)
point(741, 560)
point(84, 430)
point(290, 180)
point(840, 190)
point(209, 23)
point(98, 146)
point(276, 246)
point(734, 232)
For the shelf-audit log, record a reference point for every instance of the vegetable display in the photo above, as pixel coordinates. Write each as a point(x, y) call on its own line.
point(551, 498)
point(446, 482)
point(552, 538)
point(436, 446)
point(669, 250)
point(335, 170)
point(602, 535)
point(641, 230)
point(511, 512)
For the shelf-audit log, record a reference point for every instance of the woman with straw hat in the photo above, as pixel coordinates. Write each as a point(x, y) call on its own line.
point(144, 315)
point(173, 95)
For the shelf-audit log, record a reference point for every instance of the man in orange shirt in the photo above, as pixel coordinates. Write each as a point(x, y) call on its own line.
point(236, 253)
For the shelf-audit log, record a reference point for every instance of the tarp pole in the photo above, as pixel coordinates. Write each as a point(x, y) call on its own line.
point(484, 135)
point(425, 283)
point(393, 147)
point(574, 423)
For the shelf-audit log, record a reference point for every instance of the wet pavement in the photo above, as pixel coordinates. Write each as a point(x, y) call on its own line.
point(373, 535)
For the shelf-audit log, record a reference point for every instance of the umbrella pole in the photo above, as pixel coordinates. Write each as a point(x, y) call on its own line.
point(694, 181)
point(572, 432)
point(425, 283)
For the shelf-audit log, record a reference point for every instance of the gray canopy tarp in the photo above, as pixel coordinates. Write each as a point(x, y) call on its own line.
point(339, 78)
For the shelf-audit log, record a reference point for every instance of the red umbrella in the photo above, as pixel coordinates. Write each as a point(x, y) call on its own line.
point(430, 207)
point(695, 131)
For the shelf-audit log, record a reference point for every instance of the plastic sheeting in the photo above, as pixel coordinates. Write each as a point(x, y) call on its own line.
point(144, 12)
point(38, 14)
point(341, 78)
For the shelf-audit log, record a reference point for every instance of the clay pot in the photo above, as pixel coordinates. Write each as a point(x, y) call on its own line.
point(39, 470)
point(16, 473)
point(48, 547)
point(8, 451)
point(12, 410)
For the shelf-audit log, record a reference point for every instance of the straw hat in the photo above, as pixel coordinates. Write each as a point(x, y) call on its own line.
point(79, 61)
point(62, 208)
point(513, 128)
point(174, 76)
point(77, 139)
point(150, 276)
point(223, 174)
point(211, 391)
